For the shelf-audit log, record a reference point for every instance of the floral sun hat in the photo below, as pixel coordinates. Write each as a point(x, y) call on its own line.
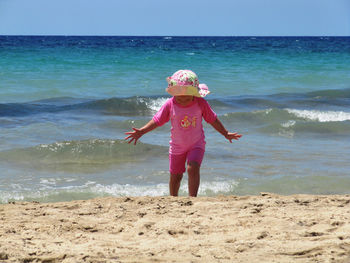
point(185, 82)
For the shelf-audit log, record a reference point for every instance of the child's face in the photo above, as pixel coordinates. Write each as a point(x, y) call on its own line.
point(184, 100)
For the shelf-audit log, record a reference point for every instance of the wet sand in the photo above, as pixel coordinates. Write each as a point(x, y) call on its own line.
point(265, 228)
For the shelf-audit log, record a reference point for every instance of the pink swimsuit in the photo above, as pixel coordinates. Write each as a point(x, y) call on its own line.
point(187, 134)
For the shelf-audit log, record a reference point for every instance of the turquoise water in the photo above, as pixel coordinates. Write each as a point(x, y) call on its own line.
point(65, 103)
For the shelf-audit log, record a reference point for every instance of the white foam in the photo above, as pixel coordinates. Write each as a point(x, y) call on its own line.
point(117, 190)
point(132, 190)
point(155, 104)
point(55, 147)
point(5, 197)
point(50, 181)
point(206, 188)
point(321, 116)
point(288, 124)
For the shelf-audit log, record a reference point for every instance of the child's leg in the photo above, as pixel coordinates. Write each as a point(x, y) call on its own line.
point(193, 178)
point(194, 160)
point(177, 168)
point(174, 184)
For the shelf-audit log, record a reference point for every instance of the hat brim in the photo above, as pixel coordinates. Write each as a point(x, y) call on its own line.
point(183, 91)
point(176, 90)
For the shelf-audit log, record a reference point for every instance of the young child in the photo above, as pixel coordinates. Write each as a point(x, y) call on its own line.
point(185, 110)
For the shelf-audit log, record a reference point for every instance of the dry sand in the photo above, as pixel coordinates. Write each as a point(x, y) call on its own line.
point(266, 228)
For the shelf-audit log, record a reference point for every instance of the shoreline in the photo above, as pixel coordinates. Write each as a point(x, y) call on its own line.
point(265, 228)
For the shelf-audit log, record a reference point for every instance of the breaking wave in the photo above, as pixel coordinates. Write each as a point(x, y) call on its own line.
point(85, 152)
point(132, 106)
point(135, 106)
point(293, 120)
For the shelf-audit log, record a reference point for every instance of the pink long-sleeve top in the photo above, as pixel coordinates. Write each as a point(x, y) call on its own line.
point(186, 123)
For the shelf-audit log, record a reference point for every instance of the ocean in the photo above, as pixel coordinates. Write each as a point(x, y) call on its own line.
point(66, 102)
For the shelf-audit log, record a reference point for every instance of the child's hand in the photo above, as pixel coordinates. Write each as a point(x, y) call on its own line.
point(137, 133)
point(232, 136)
point(134, 135)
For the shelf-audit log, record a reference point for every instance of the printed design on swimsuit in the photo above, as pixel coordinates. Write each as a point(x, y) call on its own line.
point(188, 122)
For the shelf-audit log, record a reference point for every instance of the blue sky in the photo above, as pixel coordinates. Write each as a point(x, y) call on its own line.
point(181, 18)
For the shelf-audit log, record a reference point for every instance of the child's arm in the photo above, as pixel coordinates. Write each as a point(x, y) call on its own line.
point(137, 133)
point(221, 129)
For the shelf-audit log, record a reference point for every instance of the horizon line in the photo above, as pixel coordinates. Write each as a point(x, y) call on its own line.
point(73, 35)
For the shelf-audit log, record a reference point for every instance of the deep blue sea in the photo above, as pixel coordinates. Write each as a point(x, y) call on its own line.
point(66, 102)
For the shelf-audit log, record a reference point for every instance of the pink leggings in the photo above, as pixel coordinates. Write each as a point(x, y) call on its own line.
point(177, 163)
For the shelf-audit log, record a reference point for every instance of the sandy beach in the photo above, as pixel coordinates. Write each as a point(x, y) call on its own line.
point(265, 228)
